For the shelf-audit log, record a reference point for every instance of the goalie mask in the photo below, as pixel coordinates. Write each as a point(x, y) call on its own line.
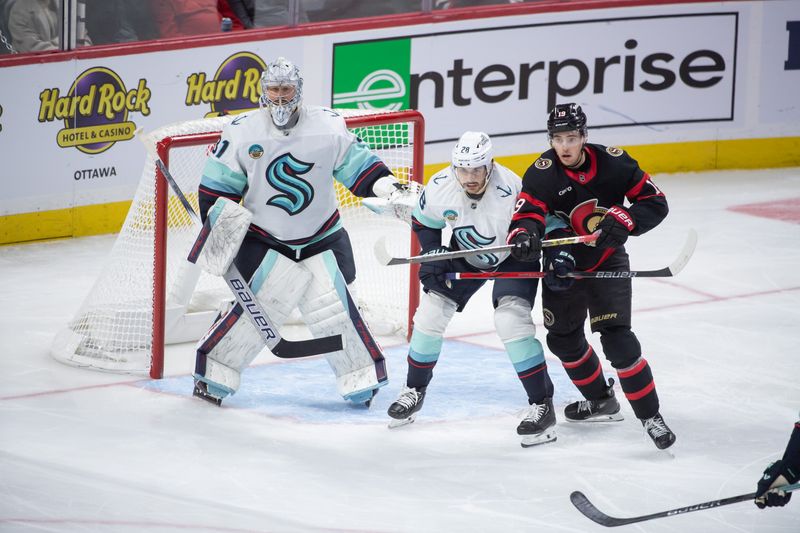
point(281, 91)
point(472, 161)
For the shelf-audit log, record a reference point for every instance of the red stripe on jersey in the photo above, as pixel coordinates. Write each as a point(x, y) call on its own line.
point(365, 174)
point(633, 370)
point(579, 362)
point(636, 190)
point(638, 395)
point(579, 382)
point(534, 216)
point(533, 201)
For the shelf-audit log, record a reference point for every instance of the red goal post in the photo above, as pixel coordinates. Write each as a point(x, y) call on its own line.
point(134, 309)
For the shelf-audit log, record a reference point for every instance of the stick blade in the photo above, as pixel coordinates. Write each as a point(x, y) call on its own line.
point(587, 508)
point(383, 256)
point(686, 253)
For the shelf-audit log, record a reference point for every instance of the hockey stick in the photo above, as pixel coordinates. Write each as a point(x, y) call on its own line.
point(250, 305)
point(587, 508)
point(384, 258)
point(666, 272)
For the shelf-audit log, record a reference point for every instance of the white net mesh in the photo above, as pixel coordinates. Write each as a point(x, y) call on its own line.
point(113, 330)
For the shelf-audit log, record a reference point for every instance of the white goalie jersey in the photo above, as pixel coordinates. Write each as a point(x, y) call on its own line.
point(474, 223)
point(286, 178)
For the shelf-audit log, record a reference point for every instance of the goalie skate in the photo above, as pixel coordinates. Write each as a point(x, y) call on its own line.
point(539, 424)
point(404, 410)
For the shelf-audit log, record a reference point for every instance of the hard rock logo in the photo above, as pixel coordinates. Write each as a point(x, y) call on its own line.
point(234, 88)
point(95, 110)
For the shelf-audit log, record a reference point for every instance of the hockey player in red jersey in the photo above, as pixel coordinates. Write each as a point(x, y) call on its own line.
point(580, 188)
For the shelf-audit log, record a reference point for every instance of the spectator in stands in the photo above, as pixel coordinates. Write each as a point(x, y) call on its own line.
point(225, 11)
point(181, 18)
point(34, 25)
point(263, 13)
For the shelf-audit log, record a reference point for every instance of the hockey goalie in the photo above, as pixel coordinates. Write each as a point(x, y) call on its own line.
point(269, 207)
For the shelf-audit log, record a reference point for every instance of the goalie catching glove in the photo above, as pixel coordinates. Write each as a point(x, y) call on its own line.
point(393, 198)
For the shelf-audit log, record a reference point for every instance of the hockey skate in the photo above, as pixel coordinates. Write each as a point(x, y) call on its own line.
point(201, 391)
point(405, 409)
point(605, 409)
point(657, 429)
point(539, 424)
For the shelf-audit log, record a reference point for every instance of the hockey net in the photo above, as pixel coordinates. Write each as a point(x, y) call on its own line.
point(148, 295)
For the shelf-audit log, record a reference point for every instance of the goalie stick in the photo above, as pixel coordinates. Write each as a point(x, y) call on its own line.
point(384, 258)
point(666, 272)
point(587, 508)
point(250, 305)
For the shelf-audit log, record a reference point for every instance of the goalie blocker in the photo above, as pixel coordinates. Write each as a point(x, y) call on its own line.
point(314, 285)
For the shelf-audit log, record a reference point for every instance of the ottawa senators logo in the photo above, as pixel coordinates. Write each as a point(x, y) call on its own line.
point(543, 163)
point(613, 150)
point(585, 216)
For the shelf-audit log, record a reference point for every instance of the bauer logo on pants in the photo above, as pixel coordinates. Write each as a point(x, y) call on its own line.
point(95, 110)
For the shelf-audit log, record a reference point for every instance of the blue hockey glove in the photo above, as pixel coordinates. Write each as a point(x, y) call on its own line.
point(557, 264)
point(527, 245)
point(615, 228)
point(777, 474)
point(432, 273)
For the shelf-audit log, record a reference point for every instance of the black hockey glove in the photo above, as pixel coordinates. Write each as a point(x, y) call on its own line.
point(777, 474)
point(557, 264)
point(432, 273)
point(527, 245)
point(615, 227)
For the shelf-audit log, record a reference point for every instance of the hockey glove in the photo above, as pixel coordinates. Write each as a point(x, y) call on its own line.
point(527, 246)
point(432, 273)
point(557, 264)
point(777, 474)
point(614, 228)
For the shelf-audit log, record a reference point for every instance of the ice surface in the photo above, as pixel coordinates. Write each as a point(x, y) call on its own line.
point(91, 451)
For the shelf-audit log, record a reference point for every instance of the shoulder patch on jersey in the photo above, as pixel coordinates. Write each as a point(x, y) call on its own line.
point(613, 150)
point(449, 214)
point(543, 163)
point(255, 151)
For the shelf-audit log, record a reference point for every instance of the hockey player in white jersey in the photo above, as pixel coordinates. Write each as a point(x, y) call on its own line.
point(476, 197)
point(279, 163)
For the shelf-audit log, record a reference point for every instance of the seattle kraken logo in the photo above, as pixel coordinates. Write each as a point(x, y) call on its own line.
point(283, 174)
point(468, 238)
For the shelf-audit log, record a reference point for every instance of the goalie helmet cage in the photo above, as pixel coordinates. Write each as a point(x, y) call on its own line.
point(148, 295)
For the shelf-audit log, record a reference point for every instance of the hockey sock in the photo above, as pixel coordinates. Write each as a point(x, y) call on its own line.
point(586, 373)
point(423, 353)
point(639, 388)
point(537, 383)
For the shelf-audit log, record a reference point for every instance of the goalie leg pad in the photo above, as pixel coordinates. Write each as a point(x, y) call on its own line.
point(329, 309)
point(232, 343)
point(221, 236)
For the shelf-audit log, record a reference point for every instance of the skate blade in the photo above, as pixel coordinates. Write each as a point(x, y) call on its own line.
point(528, 441)
point(398, 423)
point(207, 397)
point(616, 417)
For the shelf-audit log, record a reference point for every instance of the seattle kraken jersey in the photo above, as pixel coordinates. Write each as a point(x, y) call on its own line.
point(286, 179)
point(580, 198)
point(475, 223)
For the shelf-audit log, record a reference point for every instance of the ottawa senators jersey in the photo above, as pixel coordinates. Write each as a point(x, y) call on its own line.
point(579, 198)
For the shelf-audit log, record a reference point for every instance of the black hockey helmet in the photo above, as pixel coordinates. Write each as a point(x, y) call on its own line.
point(566, 117)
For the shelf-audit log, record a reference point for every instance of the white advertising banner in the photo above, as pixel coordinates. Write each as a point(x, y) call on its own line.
point(645, 75)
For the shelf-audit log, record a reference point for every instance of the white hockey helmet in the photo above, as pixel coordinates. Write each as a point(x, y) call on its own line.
point(473, 149)
point(472, 161)
point(281, 91)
